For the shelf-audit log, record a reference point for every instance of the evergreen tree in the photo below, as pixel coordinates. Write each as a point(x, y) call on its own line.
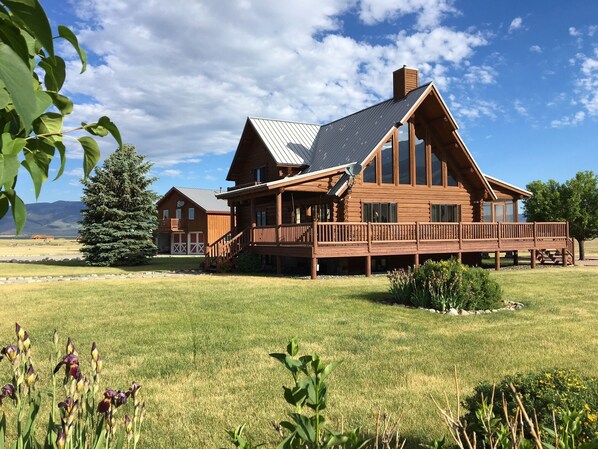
point(121, 214)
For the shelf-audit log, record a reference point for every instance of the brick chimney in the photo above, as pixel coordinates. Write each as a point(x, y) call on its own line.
point(404, 81)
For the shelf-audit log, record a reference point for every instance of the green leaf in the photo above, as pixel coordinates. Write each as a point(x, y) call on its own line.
point(11, 146)
point(49, 123)
point(42, 102)
point(9, 159)
point(19, 211)
point(17, 79)
point(37, 169)
point(62, 151)
point(3, 420)
point(4, 98)
point(67, 34)
point(102, 128)
point(4, 204)
point(11, 35)
point(55, 70)
point(293, 347)
point(34, 16)
point(62, 103)
point(91, 154)
point(304, 428)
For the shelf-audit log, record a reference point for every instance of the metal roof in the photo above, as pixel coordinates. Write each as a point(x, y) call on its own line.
point(352, 138)
point(288, 142)
point(205, 198)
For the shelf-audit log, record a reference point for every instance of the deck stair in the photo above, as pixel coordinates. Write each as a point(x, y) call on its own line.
point(224, 250)
point(555, 256)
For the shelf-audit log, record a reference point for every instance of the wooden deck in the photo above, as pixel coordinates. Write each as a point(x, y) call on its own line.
point(329, 240)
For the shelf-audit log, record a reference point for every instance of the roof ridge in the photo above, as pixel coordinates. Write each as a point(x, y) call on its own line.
point(284, 121)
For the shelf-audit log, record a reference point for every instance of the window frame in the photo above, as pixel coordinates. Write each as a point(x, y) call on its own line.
point(191, 213)
point(440, 207)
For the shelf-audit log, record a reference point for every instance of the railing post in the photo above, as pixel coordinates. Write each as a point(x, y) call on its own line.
point(535, 235)
point(498, 233)
point(315, 235)
point(369, 237)
point(460, 238)
point(417, 235)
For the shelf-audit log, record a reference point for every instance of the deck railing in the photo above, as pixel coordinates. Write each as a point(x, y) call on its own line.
point(342, 233)
point(171, 224)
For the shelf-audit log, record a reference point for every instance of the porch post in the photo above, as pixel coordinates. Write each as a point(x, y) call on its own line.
point(533, 256)
point(368, 266)
point(278, 215)
point(564, 256)
point(416, 260)
point(252, 211)
point(232, 219)
point(314, 267)
point(497, 260)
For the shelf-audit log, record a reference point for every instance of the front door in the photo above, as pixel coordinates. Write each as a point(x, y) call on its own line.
point(196, 243)
point(178, 243)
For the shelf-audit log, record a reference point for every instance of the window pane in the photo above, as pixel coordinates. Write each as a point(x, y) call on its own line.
point(487, 212)
point(367, 212)
point(450, 179)
point(369, 174)
point(436, 170)
point(420, 162)
point(383, 212)
point(376, 212)
point(388, 173)
point(393, 212)
point(165, 213)
point(191, 213)
point(435, 213)
point(404, 156)
point(445, 213)
point(499, 212)
point(510, 212)
point(178, 213)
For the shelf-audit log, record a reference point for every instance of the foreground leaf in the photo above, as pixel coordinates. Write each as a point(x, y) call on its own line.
point(91, 154)
point(68, 35)
point(17, 78)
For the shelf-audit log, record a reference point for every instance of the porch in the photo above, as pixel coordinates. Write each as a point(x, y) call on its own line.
point(332, 240)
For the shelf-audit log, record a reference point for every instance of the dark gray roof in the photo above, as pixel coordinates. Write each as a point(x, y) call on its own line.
point(352, 138)
point(205, 198)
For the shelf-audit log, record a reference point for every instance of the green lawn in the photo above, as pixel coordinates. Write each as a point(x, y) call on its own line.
point(199, 344)
point(29, 247)
point(78, 267)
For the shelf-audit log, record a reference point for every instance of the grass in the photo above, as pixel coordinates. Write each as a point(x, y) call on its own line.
point(199, 344)
point(30, 247)
point(78, 267)
point(591, 247)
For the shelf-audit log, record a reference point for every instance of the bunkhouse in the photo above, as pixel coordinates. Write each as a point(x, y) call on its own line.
point(189, 220)
point(386, 186)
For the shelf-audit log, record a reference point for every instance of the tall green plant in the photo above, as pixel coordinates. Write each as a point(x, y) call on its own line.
point(308, 395)
point(32, 109)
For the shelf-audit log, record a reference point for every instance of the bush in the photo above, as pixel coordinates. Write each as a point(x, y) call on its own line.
point(248, 262)
point(558, 390)
point(445, 285)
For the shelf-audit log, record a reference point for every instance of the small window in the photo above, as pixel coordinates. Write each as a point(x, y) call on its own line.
point(380, 212)
point(191, 213)
point(165, 213)
point(510, 212)
point(260, 174)
point(404, 156)
point(420, 162)
point(487, 212)
point(369, 174)
point(445, 213)
point(436, 170)
point(388, 172)
point(499, 212)
point(260, 218)
point(179, 213)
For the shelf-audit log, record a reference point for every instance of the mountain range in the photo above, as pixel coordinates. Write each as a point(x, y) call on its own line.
point(58, 219)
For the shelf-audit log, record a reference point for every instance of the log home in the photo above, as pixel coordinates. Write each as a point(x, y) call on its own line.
point(190, 219)
point(380, 188)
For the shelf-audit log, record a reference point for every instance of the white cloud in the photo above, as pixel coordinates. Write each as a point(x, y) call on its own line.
point(518, 105)
point(535, 49)
point(171, 173)
point(77, 172)
point(429, 12)
point(482, 75)
point(574, 32)
point(574, 120)
point(472, 108)
point(180, 78)
point(516, 24)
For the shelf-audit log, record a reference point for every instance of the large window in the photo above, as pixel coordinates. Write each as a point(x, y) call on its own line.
point(388, 172)
point(380, 212)
point(260, 174)
point(500, 211)
point(487, 212)
point(404, 156)
point(178, 213)
point(436, 170)
point(322, 212)
point(260, 218)
point(369, 174)
point(451, 181)
point(420, 162)
point(445, 213)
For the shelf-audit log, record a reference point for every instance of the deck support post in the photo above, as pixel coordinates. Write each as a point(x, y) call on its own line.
point(368, 266)
point(533, 258)
point(497, 260)
point(314, 267)
point(515, 258)
point(564, 256)
point(459, 256)
point(416, 260)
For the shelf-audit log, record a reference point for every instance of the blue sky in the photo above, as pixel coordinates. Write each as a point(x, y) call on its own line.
point(180, 77)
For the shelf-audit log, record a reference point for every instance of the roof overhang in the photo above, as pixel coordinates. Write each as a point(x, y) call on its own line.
point(505, 185)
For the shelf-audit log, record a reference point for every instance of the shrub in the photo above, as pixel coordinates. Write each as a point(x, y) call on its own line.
point(248, 262)
point(445, 285)
point(560, 391)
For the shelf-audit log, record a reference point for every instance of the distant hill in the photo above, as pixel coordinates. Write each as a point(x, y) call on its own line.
point(58, 219)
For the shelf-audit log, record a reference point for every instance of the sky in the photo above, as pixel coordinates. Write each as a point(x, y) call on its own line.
point(179, 78)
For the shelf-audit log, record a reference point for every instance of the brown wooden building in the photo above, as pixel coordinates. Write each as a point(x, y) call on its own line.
point(190, 219)
point(390, 182)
